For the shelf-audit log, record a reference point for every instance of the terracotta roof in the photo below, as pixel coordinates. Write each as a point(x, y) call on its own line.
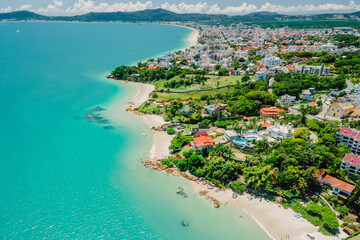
point(271, 111)
point(313, 103)
point(350, 132)
point(203, 141)
point(346, 105)
point(199, 134)
point(352, 159)
point(341, 185)
point(264, 125)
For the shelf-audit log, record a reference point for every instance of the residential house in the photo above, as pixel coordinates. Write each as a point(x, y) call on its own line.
point(351, 164)
point(308, 95)
point(215, 108)
point(351, 137)
point(340, 188)
point(200, 143)
point(186, 110)
point(200, 128)
point(271, 112)
point(231, 134)
point(280, 131)
point(340, 110)
point(287, 99)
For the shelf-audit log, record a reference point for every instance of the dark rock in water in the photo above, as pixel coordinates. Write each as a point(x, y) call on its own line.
point(108, 127)
point(97, 109)
point(181, 192)
point(185, 223)
point(98, 118)
point(103, 121)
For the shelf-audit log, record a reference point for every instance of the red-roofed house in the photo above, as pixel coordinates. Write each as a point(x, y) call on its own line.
point(271, 112)
point(351, 164)
point(351, 137)
point(339, 187)
point(314, 104)
point(202, 142)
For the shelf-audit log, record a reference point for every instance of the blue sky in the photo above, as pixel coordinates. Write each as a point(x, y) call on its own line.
point(231, 7)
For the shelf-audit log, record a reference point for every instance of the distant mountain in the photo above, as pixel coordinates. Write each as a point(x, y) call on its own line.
point(153, 15)
point(21, 16)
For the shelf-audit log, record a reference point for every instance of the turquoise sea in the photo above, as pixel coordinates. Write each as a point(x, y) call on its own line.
point(63, 177)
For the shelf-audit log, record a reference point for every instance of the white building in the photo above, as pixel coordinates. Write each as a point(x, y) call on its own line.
point(287, 99)
point(271, 61)
point(313, 70)
point(280, 131)
point(231, 134)
point(351, 137)
point(351, 164)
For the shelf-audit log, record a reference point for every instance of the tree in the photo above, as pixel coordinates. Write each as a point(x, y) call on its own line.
point(217, 67)
point(245, 78)
point(170, 131)
point(223, 72)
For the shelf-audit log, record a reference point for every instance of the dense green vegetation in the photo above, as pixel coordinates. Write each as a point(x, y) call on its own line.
point(316, 214)
point(294, 83)
point(346, 40)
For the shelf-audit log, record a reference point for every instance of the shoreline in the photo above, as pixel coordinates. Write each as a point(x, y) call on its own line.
point(264, 212)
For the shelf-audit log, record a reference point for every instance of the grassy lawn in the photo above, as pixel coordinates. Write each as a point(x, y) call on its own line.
point(193, 95)
point(186, 148)
point(150, 108)
point(212, 82)
point(188, 128)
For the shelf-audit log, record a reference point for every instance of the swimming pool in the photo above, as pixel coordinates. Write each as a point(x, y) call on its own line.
point(241, 141)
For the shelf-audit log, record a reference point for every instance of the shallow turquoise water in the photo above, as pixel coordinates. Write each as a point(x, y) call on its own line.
point(67, 178)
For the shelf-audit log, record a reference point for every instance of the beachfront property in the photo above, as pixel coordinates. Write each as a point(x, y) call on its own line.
point(231, 135)
point(340, 188)
point(200, 143)
point(271, 112)
point(215, 108)
point(351, 164)
point(351, 137)
point(308, 95)
point(186, 110)
point(200, 128)
point(287, 99)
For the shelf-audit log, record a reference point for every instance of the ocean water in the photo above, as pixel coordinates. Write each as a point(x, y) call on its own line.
point(64, 177)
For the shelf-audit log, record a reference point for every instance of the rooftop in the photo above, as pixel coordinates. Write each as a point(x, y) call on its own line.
point(203, 141)
point(341, 185)
point(352, 159)
point(350, 132)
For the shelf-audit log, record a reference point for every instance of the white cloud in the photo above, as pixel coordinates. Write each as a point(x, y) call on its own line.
point(84, 6)
point(24, 7)
point(6, 9)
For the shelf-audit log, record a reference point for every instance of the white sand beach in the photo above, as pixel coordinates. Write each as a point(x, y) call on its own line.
point(161, 140)
point(273, 218)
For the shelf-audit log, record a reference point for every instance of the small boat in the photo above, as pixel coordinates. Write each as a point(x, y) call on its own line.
point(17, 31)
point(143, 134)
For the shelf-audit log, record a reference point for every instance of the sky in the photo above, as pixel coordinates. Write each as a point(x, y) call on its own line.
point(230, 7)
